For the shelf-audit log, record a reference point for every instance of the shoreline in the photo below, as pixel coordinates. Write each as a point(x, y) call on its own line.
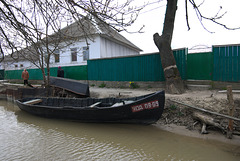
point(203, 95)
point(212, 135)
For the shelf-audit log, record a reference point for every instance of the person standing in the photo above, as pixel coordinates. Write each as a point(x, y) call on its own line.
point(25, 77)
point(60, 72)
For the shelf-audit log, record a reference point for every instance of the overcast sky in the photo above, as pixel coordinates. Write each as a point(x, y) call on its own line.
point(152, 17)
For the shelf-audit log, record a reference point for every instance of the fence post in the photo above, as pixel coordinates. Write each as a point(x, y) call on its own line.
point(231, 109)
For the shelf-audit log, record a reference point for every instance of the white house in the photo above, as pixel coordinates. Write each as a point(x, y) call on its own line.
point(10, 63)
point(83, 40)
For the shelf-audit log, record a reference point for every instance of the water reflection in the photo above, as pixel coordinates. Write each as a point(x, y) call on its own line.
point(27, 137)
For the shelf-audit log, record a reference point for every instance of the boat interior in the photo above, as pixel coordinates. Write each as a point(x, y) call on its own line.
point(81, 102)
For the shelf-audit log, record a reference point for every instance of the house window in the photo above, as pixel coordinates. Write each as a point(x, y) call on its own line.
point(74, 54)
point(85, 53)
point(56, 55)
point(21, 65)
point(16, 65)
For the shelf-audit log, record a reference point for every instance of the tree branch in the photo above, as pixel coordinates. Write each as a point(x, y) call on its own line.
point(186, 9)
point(212, 19)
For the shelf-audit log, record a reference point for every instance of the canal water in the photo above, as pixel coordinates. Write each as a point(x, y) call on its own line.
point(24, 137)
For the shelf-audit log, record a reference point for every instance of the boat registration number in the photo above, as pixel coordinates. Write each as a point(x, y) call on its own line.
point(145, 106)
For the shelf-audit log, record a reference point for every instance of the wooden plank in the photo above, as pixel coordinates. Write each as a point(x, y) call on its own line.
point(32, 102)
point(207, 111)
point(233, 91)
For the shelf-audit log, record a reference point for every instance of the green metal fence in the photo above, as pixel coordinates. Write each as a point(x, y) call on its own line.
point(73, 72)
point(76, 72)
point(222, 64)
point(136, 68)
point(226, 63)
point(12, 74)
point(200, 66)
point(181, 58)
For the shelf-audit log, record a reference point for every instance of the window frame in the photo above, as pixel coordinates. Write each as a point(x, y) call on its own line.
point(74, 54)
point(57, 56)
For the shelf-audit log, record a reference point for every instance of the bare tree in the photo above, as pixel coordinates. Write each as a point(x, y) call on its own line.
point(31, 29)
point(174, 83)
point(25, 29)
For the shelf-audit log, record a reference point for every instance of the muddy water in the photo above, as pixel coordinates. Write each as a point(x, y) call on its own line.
point(26, 137)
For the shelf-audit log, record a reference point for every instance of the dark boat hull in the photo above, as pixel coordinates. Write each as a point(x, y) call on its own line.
point(143, 110)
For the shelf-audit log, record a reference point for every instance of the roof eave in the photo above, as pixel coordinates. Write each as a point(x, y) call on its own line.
point(120, 42)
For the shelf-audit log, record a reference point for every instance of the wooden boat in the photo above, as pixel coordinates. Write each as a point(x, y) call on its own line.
point(146, 109)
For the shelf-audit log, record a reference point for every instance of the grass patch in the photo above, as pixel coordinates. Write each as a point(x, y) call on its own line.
point(102, 85)
point(173, 107)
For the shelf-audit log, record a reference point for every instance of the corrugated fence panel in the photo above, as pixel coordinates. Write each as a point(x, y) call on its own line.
point(13, 74)
point(34, 74)
point(181, 58)
point(200, 66)
point(135, 68)
point(226, 63)
point(75, 72)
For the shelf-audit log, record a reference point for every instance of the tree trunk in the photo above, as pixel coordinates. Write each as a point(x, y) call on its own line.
point(174, 83)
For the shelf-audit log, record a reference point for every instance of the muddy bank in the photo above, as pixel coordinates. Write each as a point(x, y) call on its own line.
point(179, 119)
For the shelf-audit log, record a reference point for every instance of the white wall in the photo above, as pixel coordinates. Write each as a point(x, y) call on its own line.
point(113, 49)
point(94, 48)
point(20, 65)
